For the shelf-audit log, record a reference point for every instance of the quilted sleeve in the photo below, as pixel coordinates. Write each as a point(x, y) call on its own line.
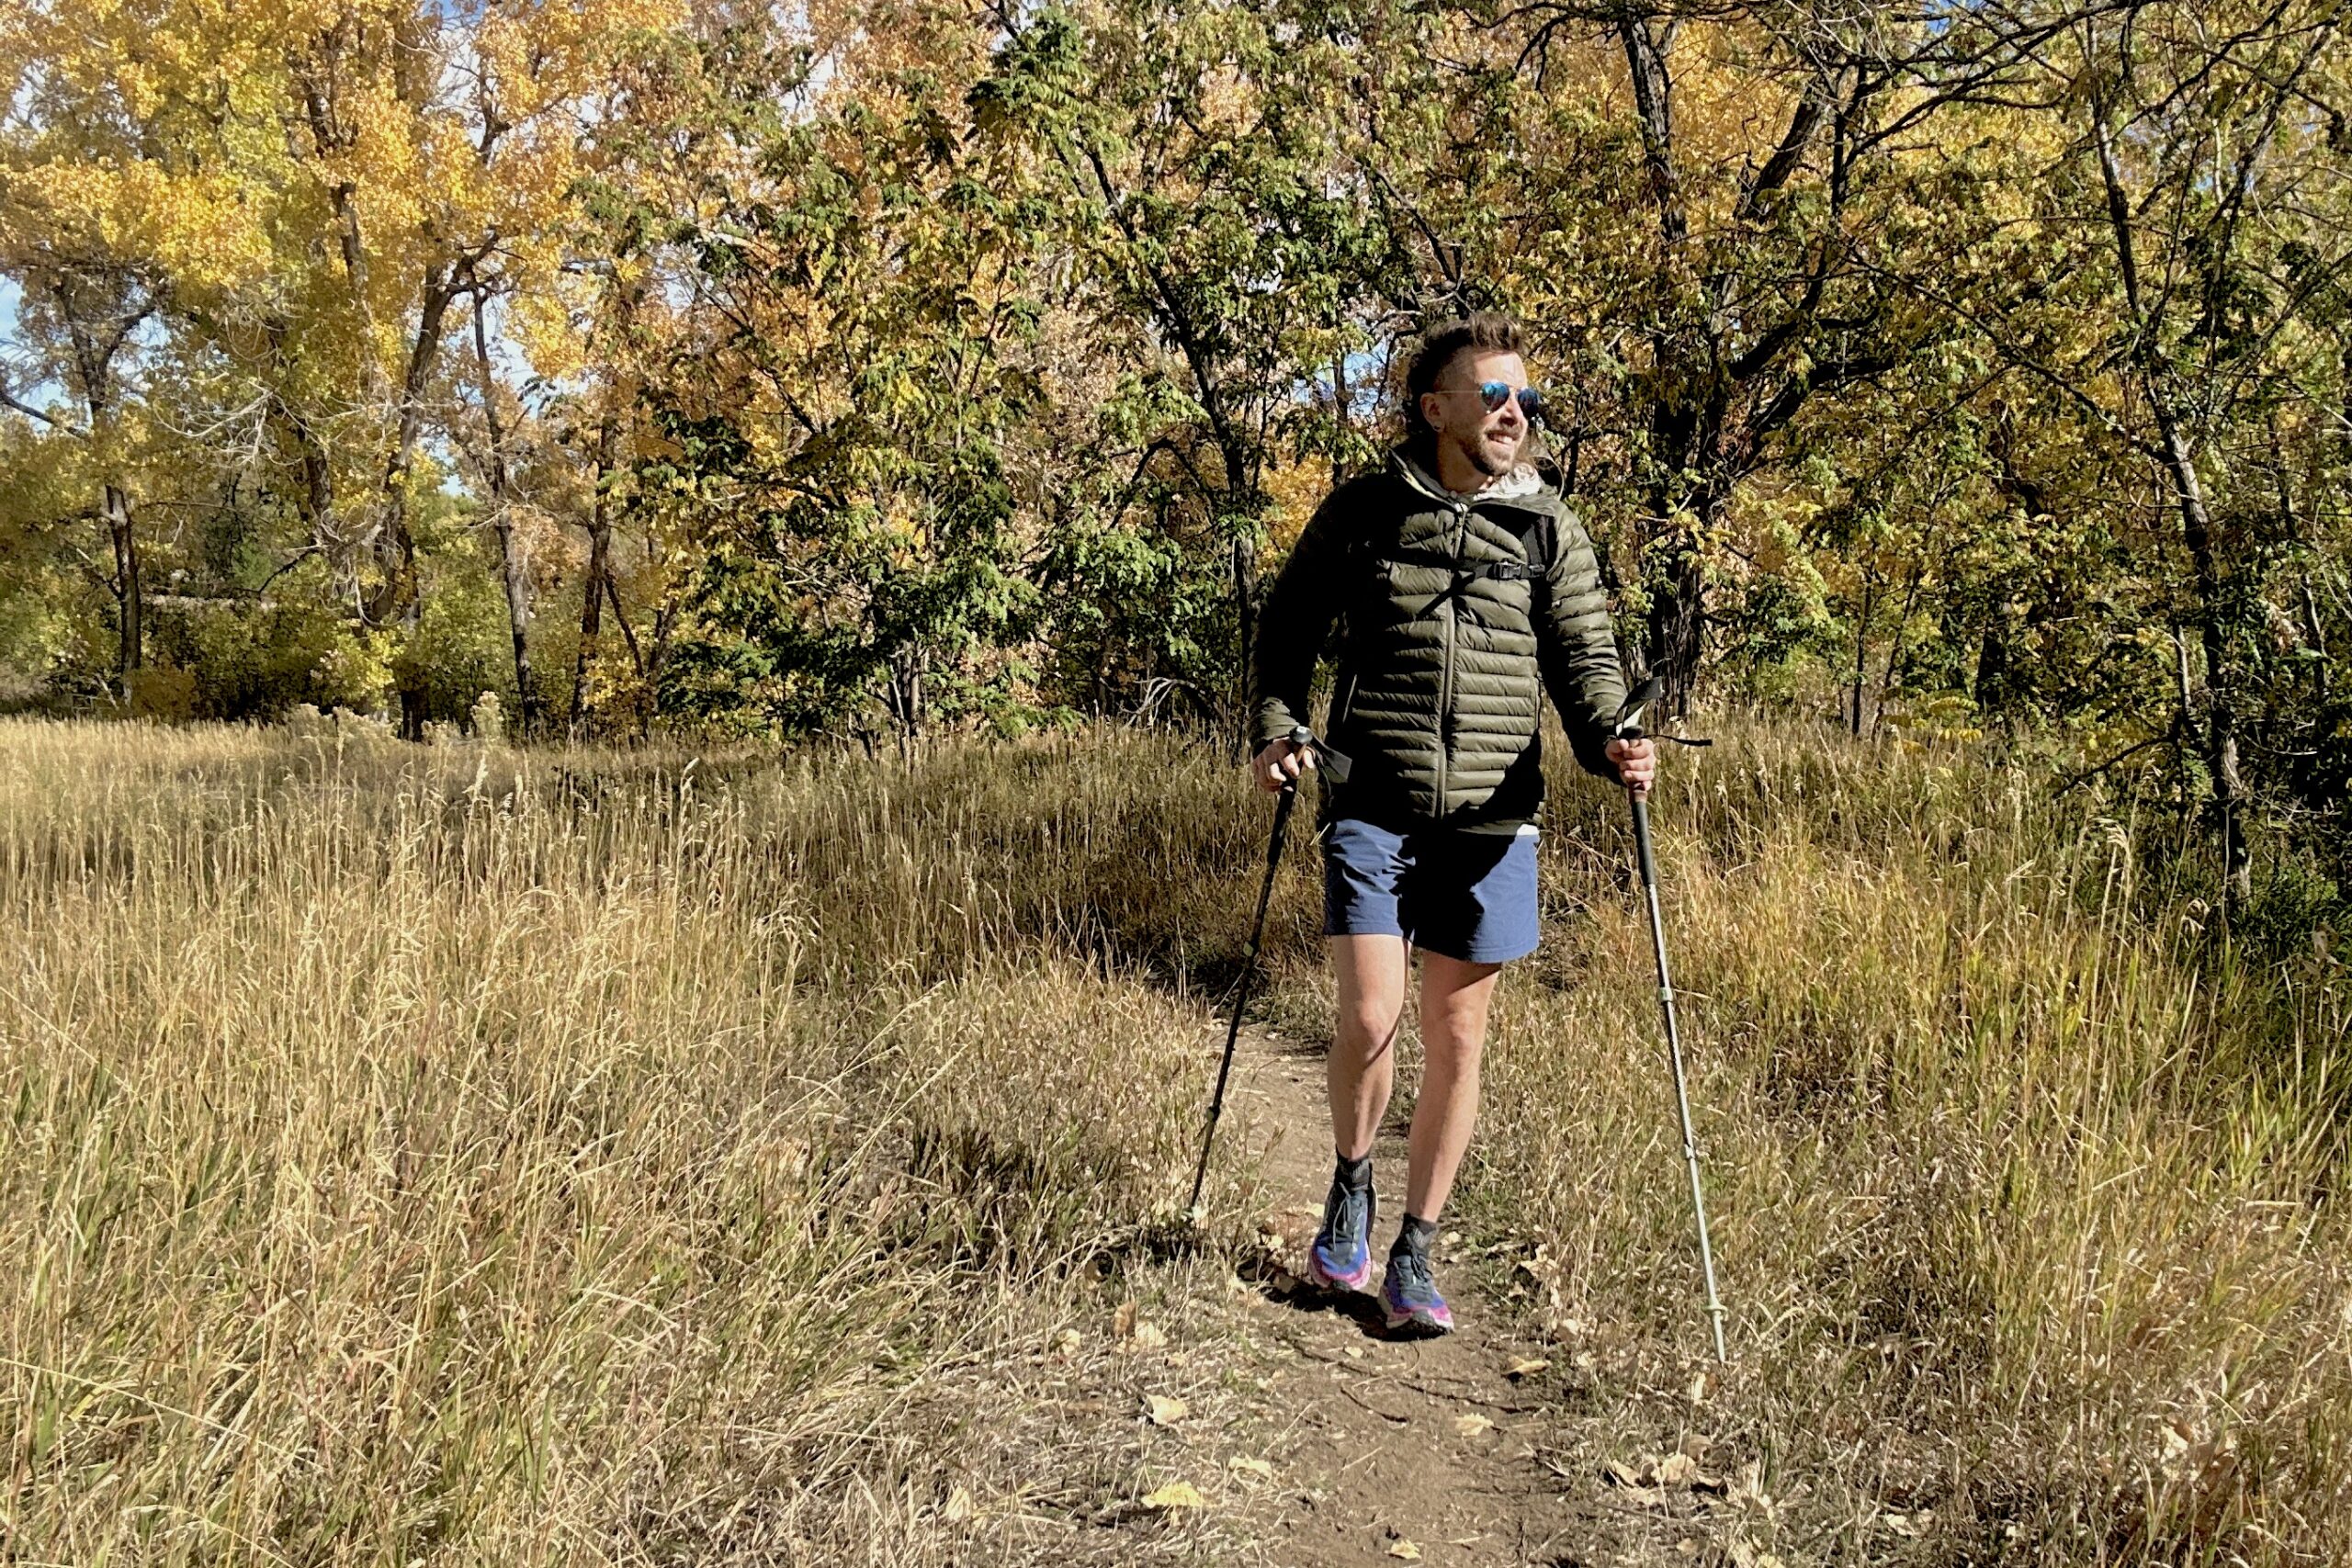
point(1297, 622)
point(1577, 648)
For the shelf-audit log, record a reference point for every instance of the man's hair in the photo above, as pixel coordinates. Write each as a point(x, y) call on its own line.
point(1486, 332)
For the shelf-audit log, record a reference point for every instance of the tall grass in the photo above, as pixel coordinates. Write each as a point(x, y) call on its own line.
point(417, 1154)
point(2024, 1185)
point(470, 1156)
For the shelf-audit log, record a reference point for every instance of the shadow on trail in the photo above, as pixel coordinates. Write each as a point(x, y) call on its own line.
point(1284, 1289)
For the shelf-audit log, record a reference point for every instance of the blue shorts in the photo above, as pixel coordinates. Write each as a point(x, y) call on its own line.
point(1465, 895)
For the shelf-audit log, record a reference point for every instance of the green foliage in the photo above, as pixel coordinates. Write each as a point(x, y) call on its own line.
point(258, 661)
point(928, 370)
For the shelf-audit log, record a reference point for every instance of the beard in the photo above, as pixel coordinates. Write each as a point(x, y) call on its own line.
point(1483, 457)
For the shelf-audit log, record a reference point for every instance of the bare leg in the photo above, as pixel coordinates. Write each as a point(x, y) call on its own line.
point(1453, 1033)
point(1371, 971)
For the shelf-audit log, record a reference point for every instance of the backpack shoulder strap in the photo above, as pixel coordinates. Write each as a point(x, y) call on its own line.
point(1537, 543)
point(1541, 542)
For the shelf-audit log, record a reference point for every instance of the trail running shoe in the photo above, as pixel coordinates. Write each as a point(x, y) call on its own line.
point(1340, 1258)
point(1410, 1296)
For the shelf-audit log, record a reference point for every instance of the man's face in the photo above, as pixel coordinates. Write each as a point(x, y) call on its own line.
point(1492, 441)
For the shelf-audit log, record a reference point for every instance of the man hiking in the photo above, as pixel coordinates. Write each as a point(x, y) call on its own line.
point(1459, 587)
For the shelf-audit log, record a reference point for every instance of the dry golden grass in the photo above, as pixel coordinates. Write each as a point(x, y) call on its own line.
point(449, 1156)
point(471, 1157)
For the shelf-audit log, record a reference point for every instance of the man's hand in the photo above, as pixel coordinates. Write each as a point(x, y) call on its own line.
point(1636, 763)
point(1279, 763)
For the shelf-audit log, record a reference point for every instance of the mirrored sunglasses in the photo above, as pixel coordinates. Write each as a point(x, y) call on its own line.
point(1495, 394)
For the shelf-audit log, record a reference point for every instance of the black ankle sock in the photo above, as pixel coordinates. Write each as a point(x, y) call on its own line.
point(1355, 1175)
point(1414, 1236)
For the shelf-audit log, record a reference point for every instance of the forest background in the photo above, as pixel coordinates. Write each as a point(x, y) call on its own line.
point(877, 370)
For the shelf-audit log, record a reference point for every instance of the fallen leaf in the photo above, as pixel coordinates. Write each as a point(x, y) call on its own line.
point(1165, 1411)
point(1256, 1466)
point(1066, 1342)
point(1673, 1470)
point(959, 1505)
point(1526, 1366)
point(1405, 1548)
point(1176, 1494)
point(1471, 1426)
point(1698, 1389)
point(1748, 1491)
point(1123, 1321)
point(1623, 1475)
point(1149, 1336)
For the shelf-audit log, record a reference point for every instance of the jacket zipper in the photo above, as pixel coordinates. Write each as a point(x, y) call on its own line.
point(1445, 674)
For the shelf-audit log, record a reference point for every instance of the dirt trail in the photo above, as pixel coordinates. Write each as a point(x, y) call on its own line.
point(1388, 1450)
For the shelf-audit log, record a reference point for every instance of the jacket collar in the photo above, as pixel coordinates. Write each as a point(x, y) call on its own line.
point(1524, 486)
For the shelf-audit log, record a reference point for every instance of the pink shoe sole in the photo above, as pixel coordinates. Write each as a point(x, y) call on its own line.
point(1316, 1274)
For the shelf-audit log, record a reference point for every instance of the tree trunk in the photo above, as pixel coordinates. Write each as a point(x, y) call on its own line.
point(1340, 396)
point(1244, 610)
point(1677, 619)
point(2220, 703)
point(1678, 612)
point(600, 569)
point(2318, 635)
point(130, 653)
point(1677, 631)
point(2179, 464)
point(515, 573)
point(906, 697)
point(1653, 87)
point(397, 596)
point(1862, 647)
point(1990, 689)
point(1895, 653)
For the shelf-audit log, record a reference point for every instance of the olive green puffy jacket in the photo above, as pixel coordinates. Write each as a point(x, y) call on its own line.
point(1444, 644)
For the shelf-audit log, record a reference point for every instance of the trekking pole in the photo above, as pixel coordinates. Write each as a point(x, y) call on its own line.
point(1629, 728)
point(1301, 740)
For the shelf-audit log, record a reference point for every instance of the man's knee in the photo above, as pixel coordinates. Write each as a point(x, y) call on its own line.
point(1367, 1027)
point(1455, 1048)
